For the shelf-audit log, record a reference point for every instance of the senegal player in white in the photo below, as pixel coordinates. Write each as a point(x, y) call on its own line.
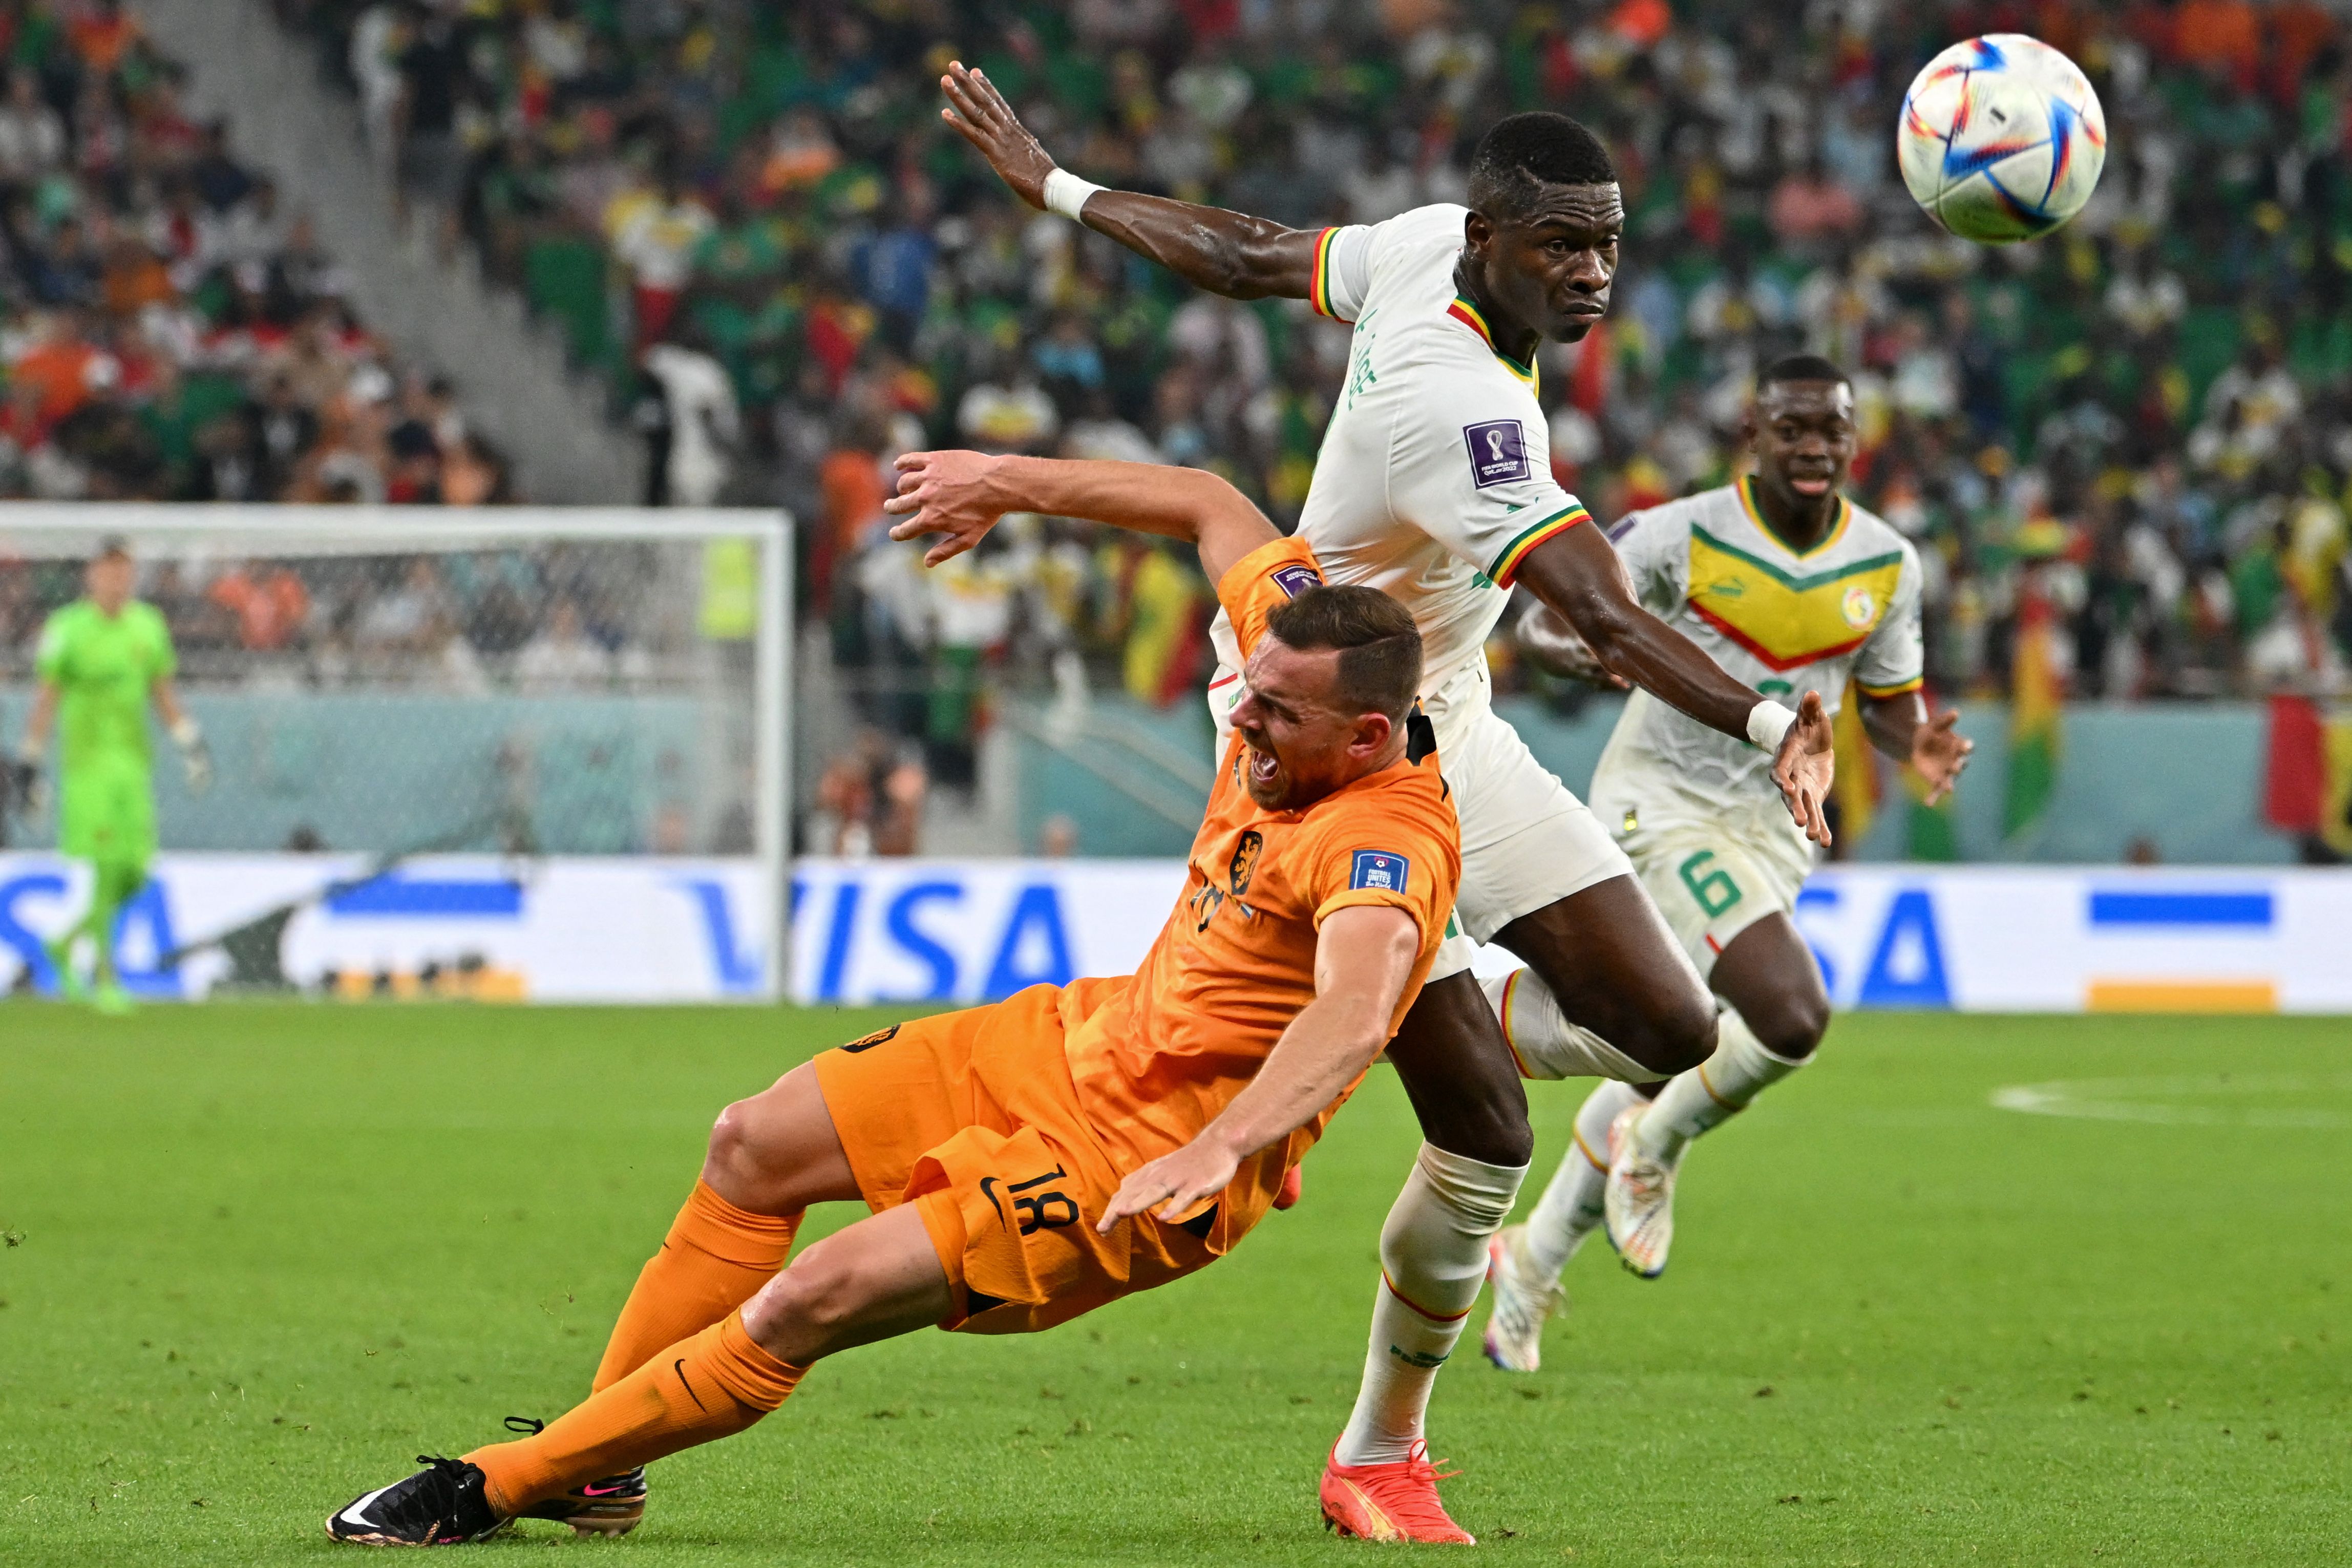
point(101, 661)
point(1434, 484)
point(1785, 582)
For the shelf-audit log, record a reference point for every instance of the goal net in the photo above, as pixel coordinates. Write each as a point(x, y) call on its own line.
point(504, 752)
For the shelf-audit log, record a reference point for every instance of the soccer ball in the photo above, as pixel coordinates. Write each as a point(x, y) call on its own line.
point(2001, 138)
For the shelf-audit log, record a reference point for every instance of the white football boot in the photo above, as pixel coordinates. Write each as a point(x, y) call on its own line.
point(1523, 1302)
point(1639, 1200)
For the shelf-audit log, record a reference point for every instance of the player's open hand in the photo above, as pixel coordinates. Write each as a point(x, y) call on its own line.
point(979, 114)
point(1806, 766)
point(1173, 1183)
point(948, 494)
point(1939, 752)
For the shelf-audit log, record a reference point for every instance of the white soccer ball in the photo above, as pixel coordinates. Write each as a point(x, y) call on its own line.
point(2001, 138)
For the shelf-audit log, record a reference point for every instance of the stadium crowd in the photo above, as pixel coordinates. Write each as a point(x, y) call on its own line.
point(171, 330)
point(2145, 421)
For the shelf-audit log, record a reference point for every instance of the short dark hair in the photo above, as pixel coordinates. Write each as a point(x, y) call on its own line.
point(1523, 152)
point(1380, 648)
point(111, 546)
point(1801, 367)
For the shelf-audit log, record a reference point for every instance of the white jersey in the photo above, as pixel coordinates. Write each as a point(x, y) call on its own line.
point(1434, 478)
point(1785, 621)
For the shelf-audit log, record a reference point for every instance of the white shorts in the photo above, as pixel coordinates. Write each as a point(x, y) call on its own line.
point(1714, 879)
point(1527, 840)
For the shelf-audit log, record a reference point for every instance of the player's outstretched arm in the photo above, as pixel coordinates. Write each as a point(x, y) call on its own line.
point(959, 495)
point(1363, 956)
point(1900, 727)
point(1227, 253)
point(1578, 574)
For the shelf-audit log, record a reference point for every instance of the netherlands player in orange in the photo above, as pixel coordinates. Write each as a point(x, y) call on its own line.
point(1033, 1160)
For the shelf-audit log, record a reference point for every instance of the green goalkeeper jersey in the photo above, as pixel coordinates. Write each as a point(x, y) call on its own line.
point(104, 667)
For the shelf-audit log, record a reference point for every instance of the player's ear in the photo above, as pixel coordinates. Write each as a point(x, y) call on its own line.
point(1478, 234)
point(1373, 733)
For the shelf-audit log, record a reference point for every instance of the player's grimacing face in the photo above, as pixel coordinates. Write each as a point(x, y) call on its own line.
point(1302, 741)
point(1804, 437)
point(1552, 264)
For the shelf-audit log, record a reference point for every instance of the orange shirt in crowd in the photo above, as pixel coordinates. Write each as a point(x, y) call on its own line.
point(66, 370)
point(269, 606)
point(851, 483)
point(2223, 31)
point(100, 40)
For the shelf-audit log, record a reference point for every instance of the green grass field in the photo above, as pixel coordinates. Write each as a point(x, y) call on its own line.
point(258, 1257)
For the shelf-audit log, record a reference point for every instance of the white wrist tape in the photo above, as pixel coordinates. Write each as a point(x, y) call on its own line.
point(185, 733)
point(1767, 724)
point(1067, 194)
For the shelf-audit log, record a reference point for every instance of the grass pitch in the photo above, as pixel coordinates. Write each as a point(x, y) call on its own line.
point(258, 1257)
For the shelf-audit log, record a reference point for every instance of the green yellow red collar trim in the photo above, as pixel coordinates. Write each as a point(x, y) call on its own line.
point(1464, 311)
point(1747, 488)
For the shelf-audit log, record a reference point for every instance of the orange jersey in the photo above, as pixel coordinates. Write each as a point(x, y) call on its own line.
point(1156, 1057)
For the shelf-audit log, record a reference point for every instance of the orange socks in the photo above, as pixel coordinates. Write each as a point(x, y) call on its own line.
point(696, 1391)
point(714, 1259)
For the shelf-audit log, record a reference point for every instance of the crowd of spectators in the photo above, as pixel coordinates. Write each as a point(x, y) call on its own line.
point(2145, 419)
point(538, 619)
point(171, 329)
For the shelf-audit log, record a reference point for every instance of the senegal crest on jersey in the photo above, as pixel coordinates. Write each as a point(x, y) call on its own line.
point(1789, 619)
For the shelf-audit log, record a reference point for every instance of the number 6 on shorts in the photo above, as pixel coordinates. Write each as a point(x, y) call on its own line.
point(1715, 891)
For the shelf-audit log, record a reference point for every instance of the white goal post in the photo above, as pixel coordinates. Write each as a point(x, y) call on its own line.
point(411, 709)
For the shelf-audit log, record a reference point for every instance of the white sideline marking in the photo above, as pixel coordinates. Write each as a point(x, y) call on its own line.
point(2182, 1102)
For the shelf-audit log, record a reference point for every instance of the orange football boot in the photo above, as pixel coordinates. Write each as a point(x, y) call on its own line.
point(1395, 1501)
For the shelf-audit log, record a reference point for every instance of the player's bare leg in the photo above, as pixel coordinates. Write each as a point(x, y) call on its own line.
point(1617, 985)
point(1777, 1012)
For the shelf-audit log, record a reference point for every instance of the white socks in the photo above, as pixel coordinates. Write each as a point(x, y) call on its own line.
point(1708, 1095)
point(1546, 1045)
point(1433, 1261)
point(1570, 1209)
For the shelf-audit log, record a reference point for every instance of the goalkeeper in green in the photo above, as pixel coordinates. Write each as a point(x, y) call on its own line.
point(101, 661)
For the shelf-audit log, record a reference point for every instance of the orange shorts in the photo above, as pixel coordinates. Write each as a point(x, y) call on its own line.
point(971, 1116)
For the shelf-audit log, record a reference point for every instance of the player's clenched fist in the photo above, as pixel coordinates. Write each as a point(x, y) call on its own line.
point(982, 117)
